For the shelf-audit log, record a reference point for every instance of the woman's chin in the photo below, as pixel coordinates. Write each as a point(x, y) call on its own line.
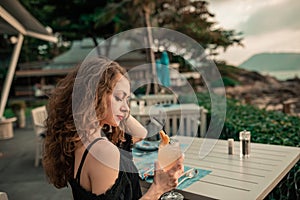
point(115, 124)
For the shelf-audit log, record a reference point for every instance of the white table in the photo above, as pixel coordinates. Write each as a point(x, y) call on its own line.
point(236, 178)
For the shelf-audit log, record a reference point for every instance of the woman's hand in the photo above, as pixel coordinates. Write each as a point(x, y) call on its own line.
point(168, 180)
point(164, 181)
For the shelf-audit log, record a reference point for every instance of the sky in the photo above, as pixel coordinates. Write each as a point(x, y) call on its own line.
point(267, 26)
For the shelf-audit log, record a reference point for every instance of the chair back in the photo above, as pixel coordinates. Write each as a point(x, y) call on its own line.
point(39, 115)
point(182, 122)
point(180, 119)
point(3, 196)
point(159, 99)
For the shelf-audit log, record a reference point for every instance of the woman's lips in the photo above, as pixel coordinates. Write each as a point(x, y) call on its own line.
point(120, 117)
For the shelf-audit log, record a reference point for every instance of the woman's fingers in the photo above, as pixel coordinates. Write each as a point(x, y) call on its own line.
point(177, 169)
point(178, 166)
point(173, 184)
point(171, 176)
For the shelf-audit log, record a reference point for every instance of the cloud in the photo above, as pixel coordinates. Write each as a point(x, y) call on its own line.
point(232, 13)
point(273, 17)
point(278, 41)
point(267, 26)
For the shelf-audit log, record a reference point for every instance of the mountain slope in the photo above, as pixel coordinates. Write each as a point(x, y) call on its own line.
point(268, 62)
point(244, 76)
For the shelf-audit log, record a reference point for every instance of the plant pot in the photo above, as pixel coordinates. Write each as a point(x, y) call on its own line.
point(6, 128)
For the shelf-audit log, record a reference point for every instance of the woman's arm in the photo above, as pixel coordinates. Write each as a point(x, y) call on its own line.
point(135, 129)
point(102, 166)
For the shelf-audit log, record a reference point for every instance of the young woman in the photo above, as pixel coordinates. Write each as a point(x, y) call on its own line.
point(90, 133)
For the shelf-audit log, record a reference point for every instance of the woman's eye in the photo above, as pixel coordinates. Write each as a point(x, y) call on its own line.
point(118, 99)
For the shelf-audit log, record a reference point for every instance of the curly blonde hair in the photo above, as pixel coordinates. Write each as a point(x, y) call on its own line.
point(62, 138)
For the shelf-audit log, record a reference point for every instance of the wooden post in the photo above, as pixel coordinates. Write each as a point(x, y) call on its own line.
point(288, 106)
point(10, 73)
point(150, 42)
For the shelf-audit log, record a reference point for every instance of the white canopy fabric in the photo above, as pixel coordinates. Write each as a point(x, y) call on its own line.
point(16, 20)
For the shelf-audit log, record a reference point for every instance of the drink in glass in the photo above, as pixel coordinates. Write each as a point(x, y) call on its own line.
point(169, 151)
point(168, 154)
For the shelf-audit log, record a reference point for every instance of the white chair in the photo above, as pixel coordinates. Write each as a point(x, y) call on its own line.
point(185, 122)
point(3, 196)
point(203, 121)
point(159, 99)
point(39, 115)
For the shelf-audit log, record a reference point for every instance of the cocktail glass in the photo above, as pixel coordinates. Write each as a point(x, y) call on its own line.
point(167, 156)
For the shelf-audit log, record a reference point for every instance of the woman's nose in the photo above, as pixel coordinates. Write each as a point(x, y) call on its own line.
point(125, 107)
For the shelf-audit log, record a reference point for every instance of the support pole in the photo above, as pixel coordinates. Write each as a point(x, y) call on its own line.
point(150, 41)
point(10, 74)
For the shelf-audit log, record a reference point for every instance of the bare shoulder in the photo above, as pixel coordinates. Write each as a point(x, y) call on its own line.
point(103, 166)
point(106, 153)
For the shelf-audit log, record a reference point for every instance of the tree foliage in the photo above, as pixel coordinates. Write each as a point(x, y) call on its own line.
point(194, 19)
point(188, 17)
point(76, 19)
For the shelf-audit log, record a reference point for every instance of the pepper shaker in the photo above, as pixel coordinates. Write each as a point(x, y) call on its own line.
point(245, 137)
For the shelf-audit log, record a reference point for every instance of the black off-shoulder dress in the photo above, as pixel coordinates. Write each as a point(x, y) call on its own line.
point(126, 186)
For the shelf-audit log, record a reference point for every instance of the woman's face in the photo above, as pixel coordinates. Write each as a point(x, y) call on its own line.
point(118, 102)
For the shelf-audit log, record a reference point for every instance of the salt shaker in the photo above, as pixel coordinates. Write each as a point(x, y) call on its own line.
point(245, 137)
point(230, 146)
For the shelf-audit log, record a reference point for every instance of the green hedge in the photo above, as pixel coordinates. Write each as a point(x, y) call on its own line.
point(29, 105)
point(268, 127)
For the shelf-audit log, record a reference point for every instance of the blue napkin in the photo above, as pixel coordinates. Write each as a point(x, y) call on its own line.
point(188, 182)
point(144, 161)
point(145, 164)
